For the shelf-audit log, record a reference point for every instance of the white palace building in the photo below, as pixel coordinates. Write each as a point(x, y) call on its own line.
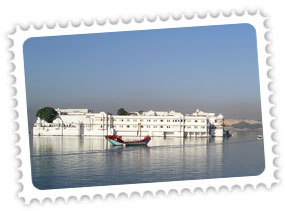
point(83, 122)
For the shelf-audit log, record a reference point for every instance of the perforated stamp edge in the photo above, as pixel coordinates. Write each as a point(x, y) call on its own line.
point(21, 33)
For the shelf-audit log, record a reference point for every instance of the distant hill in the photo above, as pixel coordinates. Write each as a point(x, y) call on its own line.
point(243, 124)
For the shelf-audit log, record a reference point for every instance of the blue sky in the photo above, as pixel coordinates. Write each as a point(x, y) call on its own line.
point(213, 68)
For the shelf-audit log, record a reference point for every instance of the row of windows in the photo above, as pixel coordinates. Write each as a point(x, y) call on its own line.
point(155, 126)
point(148, 126)
point(153, 120)
point(157, 120)
point(196, 133)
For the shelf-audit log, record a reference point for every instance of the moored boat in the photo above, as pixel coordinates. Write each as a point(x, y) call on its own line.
point(118, 141)
point(259, 138)
point(115, 140)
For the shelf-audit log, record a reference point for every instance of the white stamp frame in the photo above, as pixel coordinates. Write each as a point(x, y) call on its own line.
point(29, 192)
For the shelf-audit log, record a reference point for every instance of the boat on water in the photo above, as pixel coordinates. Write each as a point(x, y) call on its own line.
point(259, 138)
point(118, 141)
point(227, 133)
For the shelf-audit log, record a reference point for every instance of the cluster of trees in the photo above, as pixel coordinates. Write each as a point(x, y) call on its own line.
point(47, 113)
point(242, 125)
point(122, 111)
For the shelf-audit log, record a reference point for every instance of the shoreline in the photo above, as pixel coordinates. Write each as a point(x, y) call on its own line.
point(243, 129)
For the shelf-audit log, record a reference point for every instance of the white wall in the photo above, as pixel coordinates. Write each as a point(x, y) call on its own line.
point(100, 124)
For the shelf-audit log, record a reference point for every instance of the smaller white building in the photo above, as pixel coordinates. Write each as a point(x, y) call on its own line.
point(78, 122)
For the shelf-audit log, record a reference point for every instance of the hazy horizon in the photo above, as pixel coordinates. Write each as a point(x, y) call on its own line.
point(211, 68)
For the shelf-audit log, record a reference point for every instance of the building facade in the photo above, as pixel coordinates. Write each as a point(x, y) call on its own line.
point(79, 122)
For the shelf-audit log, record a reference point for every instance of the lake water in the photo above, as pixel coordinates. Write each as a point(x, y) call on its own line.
point(66, 162)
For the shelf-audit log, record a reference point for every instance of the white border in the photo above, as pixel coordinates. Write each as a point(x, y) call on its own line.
point(29, 192)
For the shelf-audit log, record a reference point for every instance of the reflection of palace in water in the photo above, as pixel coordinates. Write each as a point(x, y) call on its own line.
point(66, 144)
point(199, 154)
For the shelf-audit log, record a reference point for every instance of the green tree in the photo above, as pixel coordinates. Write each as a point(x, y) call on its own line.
point(47, 113)
point(140, 111)
point(122, 111)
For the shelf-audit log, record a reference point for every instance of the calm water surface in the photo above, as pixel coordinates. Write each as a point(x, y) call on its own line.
point(65, 162)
